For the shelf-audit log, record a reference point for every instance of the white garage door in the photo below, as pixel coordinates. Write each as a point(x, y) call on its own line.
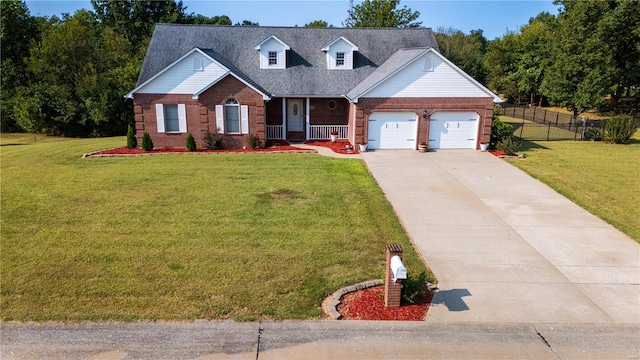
point(392, 130)
point(453, 130)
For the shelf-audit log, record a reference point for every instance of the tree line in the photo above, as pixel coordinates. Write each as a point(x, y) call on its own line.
point(67, 75)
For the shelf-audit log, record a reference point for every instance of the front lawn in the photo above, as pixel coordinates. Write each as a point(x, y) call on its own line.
point(182, 237)
point(602, 178)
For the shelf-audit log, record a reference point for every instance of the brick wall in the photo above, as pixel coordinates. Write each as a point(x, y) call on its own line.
point(200, 114)
point(321, 114)
point(366, 106)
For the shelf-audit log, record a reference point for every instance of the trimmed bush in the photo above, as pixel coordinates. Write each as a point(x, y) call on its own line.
point(619, 129)
point(593, 134)
point(147, 144)
point(509, 145)
point(499, 132)
point(191, 143)
point(132, 141)
point(413, 287)
point(254, 141)
point(212, 140)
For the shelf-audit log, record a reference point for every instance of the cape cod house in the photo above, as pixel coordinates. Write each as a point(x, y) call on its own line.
point(390, 88)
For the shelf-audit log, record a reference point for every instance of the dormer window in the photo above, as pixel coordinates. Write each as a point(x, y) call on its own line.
point(273, 53)
point(339, 59)
point(340, 54)
point(273, 58)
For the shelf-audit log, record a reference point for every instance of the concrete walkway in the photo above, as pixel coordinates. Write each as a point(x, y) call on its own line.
point(504, 246)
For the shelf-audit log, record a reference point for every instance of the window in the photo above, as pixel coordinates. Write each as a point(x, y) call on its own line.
point(171, 118)
point(231, 116)
point(340, 59)
point(197, 64)
point(428, 64)
point(273, 58)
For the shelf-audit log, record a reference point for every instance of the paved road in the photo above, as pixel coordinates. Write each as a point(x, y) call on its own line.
point(368, 340)
point(504, 246)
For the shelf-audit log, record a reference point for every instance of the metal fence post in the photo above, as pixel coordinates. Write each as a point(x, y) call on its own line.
point(514, 111)
point(521, 130)
point(544, 117)
point(534, 113)
point(557, 115)
point(548, 130)
point(524, 108)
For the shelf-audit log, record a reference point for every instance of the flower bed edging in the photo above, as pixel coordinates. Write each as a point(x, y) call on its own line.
point(332, 306)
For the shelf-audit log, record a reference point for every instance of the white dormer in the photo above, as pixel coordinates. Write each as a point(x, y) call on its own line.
point(273, 53)
point(340, 54)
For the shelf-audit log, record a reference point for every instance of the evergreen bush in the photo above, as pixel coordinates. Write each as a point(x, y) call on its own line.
point(191, 143)
point(509, 145)
point(619, 129)
point(413, 287)
point(212, 140)
point(132, 141)
point(499, 132)
point(147, 144)
point(254, 141)
point(593, 134)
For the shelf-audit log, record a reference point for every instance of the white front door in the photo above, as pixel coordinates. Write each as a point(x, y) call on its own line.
point(453, 130)
point(392, 130)
point(295, 115)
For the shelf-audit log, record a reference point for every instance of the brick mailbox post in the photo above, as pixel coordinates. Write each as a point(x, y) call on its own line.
point(395, 273)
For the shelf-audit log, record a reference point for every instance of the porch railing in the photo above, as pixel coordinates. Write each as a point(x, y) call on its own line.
point(323, 132)
point(274, 132)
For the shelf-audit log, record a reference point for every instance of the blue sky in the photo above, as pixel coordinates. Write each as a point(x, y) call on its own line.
point(495, 18)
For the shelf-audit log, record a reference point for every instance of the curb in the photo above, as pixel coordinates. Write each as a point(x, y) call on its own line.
point(332, 306)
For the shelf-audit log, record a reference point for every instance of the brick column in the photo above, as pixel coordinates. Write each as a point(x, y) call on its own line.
point(392, 289)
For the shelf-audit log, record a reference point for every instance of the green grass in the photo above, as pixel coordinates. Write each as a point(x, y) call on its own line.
point(181, 237)
point(602, 178)
point(533, 130)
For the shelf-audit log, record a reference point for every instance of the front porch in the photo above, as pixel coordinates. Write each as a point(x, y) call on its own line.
point(303, 119)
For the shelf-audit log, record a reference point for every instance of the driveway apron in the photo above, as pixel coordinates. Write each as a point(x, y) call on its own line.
point(504, 246)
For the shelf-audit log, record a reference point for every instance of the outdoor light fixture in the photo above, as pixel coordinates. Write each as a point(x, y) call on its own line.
point(424, 114)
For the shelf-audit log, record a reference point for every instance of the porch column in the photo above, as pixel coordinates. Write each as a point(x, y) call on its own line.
point(284, 119)
point(307, 106)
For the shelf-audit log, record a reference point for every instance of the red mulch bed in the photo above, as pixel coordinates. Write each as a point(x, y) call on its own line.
point(498, 153)
point(339, 146)
point(271, 147)
point(368, 304)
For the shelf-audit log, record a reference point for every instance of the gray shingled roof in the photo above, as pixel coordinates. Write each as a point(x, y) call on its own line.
point(306, 73)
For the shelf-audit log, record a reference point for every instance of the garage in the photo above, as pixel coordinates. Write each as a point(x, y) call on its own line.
point(453, 130)
point(392, 130)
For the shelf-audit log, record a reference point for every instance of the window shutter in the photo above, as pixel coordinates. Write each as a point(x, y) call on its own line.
point(220, 118)
point(182, 118)
point(244, 119)
point(160, 117)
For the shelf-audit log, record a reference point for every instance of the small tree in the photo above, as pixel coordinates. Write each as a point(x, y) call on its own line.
point(147, 144)
point(191, 143)
point(212, 140)
point(132, 141)
point(254, 141)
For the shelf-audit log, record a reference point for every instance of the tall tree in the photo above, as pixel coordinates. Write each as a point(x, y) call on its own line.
point(136, 19)
point(82, 70)
point(501, 61)
point(317, 23)
point(535, 55)
point(466, 51)
point(214, 20)
point(18, 29)
point(580, 75)
point(383, 13)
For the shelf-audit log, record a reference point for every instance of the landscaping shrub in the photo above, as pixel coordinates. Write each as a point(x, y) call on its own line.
point(509, 145)
point(191, 143)
point(212, 140)
point(593, 134)
point(147, 144)
point(253, 141)
point(619, 129)
point(412, 287)
point(499, 132)
point(132, 141)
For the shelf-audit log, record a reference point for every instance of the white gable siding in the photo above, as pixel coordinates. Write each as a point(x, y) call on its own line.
point(417, 80)
point(272, 45)
point(183, 79)
point(344, 47)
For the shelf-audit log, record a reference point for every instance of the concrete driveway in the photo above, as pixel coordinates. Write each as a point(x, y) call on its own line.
point(504, 246)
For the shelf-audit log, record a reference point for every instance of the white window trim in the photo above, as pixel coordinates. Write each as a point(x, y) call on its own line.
point(237, 106)
point(198, 64)
point(338, 59)
point(182, 119)
point(269, 58)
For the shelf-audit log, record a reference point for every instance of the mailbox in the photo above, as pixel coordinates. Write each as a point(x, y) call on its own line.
point(398, 269)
